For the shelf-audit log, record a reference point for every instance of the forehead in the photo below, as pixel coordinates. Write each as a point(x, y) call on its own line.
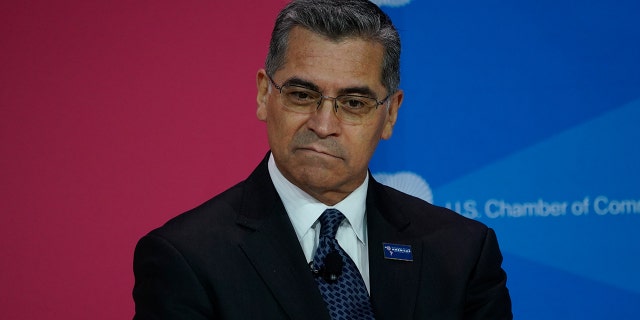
point(350, 61)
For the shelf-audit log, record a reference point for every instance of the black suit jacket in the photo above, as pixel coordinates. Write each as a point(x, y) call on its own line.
point(237, 257)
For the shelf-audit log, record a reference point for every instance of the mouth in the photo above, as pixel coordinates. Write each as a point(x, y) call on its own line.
point(318, 151)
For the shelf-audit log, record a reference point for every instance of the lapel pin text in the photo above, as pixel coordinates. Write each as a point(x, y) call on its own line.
point(397, 251)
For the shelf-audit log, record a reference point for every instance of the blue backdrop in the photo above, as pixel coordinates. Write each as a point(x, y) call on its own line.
point(525, 115)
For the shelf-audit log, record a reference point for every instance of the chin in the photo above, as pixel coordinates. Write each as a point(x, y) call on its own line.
point(318, 177)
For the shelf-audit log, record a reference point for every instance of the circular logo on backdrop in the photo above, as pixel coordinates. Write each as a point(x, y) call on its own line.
point(391, 3)
point(407, 182)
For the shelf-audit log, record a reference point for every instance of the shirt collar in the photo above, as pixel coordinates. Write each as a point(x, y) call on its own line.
point(304, 210)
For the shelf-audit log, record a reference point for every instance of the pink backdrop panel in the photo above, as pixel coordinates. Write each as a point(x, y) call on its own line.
point(114, 117)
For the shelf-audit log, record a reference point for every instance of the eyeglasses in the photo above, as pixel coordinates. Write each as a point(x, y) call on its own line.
point(349, 108)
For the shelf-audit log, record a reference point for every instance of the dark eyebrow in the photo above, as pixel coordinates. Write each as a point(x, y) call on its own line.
point(301, 83)
point(362, 91)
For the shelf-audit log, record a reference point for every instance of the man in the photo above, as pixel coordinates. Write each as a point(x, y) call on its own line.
point(310, 220)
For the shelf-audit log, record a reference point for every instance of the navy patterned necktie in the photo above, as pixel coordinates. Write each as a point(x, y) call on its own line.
point(337, 276)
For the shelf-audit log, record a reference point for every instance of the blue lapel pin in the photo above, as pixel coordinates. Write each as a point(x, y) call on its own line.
point(397, 251)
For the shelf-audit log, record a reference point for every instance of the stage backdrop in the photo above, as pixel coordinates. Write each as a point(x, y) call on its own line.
point(118, 115)
point(114, 117)
point(525, 115)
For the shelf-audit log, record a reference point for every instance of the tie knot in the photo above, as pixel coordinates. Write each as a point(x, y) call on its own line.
point(330, 221)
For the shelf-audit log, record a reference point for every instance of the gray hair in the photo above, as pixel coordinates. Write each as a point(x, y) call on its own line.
point(337, 20)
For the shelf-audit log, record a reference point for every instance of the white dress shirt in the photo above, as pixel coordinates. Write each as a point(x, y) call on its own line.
point(304, 211)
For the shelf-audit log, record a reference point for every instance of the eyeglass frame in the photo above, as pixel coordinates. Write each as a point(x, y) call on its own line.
point(335, 99)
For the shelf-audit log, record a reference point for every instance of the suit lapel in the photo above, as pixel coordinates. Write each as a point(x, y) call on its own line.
point(394, 283)
point(274, 249)
point(279, 260)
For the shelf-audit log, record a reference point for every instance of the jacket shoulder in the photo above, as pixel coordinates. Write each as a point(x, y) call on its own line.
point(209, 218)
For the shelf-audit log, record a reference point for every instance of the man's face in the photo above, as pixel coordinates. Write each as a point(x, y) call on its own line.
point(317, 152)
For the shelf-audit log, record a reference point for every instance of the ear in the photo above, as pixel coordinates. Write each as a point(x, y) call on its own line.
point(392, 114)
point(262, 82)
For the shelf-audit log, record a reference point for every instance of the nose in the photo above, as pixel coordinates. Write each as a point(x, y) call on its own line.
point(324, 121)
